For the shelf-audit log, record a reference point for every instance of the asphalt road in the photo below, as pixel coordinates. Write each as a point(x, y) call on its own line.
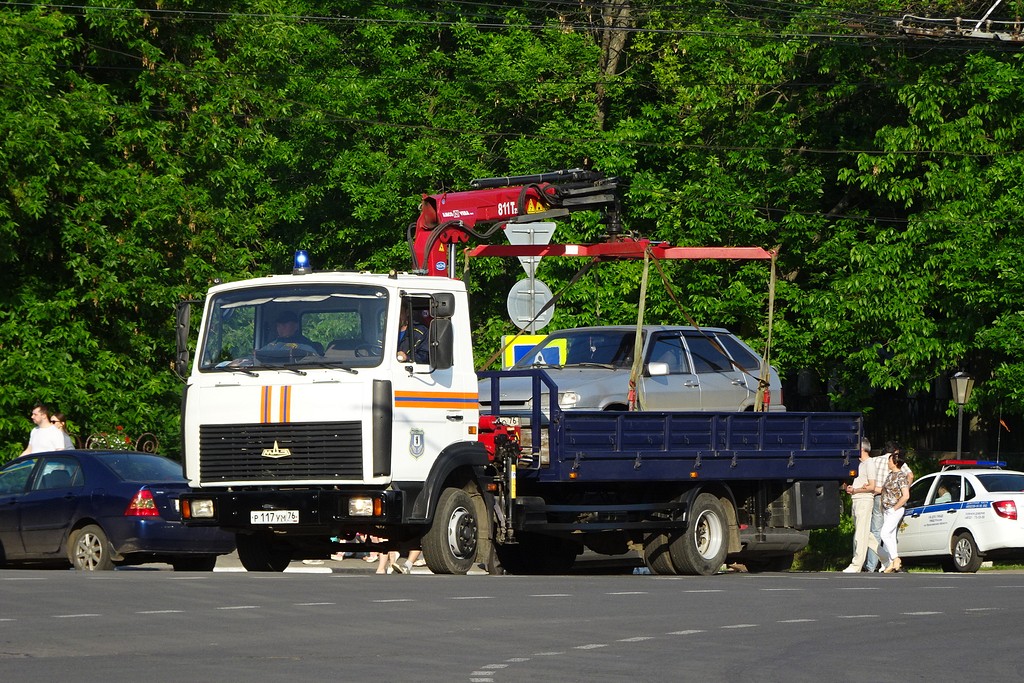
point(354, 626)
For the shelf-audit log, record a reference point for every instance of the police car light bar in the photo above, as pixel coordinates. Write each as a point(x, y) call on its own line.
point(945, 464)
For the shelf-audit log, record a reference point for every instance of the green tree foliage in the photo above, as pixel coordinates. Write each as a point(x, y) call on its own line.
point(146, 151)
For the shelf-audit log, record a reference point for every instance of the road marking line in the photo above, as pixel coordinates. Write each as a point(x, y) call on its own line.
point(396, 600)
point(857, 616)
point(240, 607)
point(591, 646)
point(858, 588)
point(983, 609)
point(635, 639)
point(473, 597)
point(795, 621)
point(919, 614)
point(740, 626)
point(495, 666)
point(552, 595)
point(782, 589)
point(162, 611)
point(706, 590)
point(547, 654)
point(628, 593)
point(685, 633)
point(515, 660)
point(314, 604)
point(74, 616)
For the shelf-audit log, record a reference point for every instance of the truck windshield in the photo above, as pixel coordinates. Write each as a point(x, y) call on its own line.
point(294, 328)
point(581, 348)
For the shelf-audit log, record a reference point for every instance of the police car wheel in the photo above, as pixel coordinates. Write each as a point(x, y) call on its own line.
point(965, 553)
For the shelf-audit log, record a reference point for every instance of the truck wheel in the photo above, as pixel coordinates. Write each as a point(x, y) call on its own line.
point(89, 549)
point(258, 553)
point(702, 548)
point(965, 553)
point(657, 555)
point(449, 546)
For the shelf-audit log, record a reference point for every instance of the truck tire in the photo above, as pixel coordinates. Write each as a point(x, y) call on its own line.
point(258, 553)
point(449, 546)
point(657, 555)
point(702, 548)
point(536, 554)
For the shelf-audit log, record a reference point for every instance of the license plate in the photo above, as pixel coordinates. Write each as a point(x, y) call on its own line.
point(274, 517)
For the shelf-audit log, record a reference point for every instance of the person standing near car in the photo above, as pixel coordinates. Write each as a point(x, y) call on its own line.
point(895, 494)
point(862, 498)
point(59, 420)
point(45, 436)
point(881, 463)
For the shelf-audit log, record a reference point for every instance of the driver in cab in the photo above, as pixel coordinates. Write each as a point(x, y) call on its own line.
point(289, 336)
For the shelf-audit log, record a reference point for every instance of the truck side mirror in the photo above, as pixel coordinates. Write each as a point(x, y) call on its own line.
point(442, 305)
point(441, 340)
point(182, 315)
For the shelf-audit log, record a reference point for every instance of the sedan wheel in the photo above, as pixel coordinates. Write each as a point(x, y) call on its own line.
point(89, 549)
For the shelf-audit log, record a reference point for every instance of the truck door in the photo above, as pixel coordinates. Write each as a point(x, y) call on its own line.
point(433, 407)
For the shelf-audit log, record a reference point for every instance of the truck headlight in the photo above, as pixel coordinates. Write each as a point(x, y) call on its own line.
point(360, 507)
point(568, 399)
point(197, 508)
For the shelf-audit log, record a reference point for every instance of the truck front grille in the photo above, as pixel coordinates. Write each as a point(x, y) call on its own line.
point(282, 452)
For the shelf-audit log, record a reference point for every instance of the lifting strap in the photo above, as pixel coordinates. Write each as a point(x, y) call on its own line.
point(764, 381)
point(638, 341)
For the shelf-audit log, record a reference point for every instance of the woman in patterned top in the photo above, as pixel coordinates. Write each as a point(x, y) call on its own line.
point(895, 494)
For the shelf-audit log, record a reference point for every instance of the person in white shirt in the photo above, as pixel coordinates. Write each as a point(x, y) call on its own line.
point(44, 437)
point(862, 492)
point(881, 463)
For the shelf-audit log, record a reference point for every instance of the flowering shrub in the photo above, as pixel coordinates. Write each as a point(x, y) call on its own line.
point(111, 441)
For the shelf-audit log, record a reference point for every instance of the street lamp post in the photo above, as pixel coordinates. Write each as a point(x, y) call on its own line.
point(962, 385)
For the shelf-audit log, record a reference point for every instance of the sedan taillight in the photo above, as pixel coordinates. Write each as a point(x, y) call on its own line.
point(142, 505)
point(1005, 508)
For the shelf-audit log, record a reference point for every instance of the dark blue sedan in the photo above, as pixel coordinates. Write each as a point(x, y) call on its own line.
point(101, 509)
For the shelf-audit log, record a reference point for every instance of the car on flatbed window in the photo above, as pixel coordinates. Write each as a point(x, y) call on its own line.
point(968, 512)
point(684, 368)
point(98, 509)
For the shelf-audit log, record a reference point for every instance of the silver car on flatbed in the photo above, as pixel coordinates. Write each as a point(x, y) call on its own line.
point(684, 368)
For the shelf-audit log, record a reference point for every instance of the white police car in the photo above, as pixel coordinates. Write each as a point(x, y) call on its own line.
point(970, 511)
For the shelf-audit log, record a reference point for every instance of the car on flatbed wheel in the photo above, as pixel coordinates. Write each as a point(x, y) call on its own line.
point(969, 512)
point(96, 510)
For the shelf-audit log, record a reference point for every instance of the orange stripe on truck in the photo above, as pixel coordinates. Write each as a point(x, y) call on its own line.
point(436, 399)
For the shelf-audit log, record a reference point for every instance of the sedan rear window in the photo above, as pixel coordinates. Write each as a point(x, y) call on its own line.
point(142, 468)
point(1003, 482)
